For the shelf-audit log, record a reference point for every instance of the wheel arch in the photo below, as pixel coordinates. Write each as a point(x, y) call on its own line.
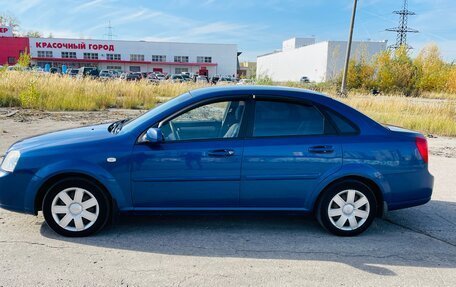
point(365, 180)
point(48, 183)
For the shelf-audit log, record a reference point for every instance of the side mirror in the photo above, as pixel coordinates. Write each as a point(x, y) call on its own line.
point(154, 135)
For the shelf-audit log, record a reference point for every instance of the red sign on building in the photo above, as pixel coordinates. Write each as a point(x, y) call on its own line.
point(6, 31)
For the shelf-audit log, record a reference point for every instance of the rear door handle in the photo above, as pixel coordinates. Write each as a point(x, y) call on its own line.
point(321, 149)
point(221, 153)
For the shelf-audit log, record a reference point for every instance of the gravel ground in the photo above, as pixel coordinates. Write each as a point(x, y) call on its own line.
point(411, 247)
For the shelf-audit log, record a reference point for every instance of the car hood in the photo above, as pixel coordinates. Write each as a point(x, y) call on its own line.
point(64, 137)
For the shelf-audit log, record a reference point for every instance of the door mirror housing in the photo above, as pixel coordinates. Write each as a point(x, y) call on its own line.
point(154, 135)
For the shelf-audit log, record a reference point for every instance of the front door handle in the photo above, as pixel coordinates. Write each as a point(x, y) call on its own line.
point(221, 153)
point(321, 149)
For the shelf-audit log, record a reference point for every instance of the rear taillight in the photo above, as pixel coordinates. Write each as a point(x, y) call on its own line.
point(421, 145)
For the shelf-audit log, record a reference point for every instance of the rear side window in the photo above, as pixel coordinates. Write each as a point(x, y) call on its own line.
point(274, 118)
point(343, 125)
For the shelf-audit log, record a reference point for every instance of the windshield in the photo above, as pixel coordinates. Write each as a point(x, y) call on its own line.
point(128, 126)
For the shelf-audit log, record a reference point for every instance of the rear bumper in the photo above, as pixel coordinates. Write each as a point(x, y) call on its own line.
point(406, 204)
point(411, 190)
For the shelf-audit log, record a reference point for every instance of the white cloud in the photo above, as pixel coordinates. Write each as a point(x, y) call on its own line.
point(88, 5)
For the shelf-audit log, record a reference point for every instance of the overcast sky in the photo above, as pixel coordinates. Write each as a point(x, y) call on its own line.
point(257, 26)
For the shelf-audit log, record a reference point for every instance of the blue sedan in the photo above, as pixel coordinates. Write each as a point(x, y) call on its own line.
point(222, 149)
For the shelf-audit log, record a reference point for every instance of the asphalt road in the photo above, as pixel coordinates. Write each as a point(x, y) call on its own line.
point(412, 247)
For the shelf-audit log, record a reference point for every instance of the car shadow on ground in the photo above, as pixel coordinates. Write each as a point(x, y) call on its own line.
point(412, 240)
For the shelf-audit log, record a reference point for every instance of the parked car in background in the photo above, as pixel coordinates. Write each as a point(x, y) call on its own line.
point(131, 76)
point(55, 70)
point(237, 148)
point(304, 80)
point(215, 79)
point(116, 73)
point(88, 72)
point(202, 79)
point(160, 76)
point(152, 78)
point(37, 69)
point(73, 72)
point(105, 75)
point(246, 82)
point(176, 78)
point(186, 77)
point(225, 80)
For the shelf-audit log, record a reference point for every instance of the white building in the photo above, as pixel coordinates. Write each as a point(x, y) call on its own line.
point(135, 56)
point(319, 62)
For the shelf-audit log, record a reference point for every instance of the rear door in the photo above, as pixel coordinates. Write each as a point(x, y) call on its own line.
point(291, 148)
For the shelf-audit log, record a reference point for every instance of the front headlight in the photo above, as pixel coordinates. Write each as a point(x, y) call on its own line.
point(10, 161)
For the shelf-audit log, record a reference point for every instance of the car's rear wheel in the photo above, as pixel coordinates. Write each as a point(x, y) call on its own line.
point(76, 207)
point(347, 208)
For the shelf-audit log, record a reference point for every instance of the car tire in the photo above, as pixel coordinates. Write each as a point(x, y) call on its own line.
point(76, 207)
point(347, 208)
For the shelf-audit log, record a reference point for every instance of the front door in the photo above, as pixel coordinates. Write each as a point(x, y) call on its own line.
point(289, 152)
point(197, 166)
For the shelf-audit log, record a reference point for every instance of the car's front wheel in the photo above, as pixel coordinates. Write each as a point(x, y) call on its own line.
point(76, 207)
point(347, 208)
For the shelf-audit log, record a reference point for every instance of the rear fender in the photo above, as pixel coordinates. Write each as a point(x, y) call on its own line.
point(351, 170)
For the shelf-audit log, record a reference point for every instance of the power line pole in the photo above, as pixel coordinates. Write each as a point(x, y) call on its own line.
point(343, 88)
point(402, 29)
point(109, 33)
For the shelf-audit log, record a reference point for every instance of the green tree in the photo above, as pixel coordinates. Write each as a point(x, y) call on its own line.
point(360, 75)
point(24, 59)
point(33, 34)
point(451, 80)
point(432, 71)
point(9, 20)
point(396, 72)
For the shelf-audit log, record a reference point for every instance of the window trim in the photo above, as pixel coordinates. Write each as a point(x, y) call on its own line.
point(246, 130)
point(242, 130)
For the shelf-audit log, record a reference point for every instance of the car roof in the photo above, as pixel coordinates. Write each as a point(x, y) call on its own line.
point(257, 89)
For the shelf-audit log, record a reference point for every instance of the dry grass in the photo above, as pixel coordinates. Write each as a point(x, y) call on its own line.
point(431, 114)
point(428, 116)
point(53, 92)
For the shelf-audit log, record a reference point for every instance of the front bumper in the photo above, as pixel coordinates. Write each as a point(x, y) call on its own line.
point(13, 187)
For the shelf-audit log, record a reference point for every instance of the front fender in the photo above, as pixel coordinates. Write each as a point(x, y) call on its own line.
point(123, 199)
point(358, 170)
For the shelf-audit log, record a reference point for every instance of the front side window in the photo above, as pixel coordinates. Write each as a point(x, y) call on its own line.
point(212, 121)
point(287, 119)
